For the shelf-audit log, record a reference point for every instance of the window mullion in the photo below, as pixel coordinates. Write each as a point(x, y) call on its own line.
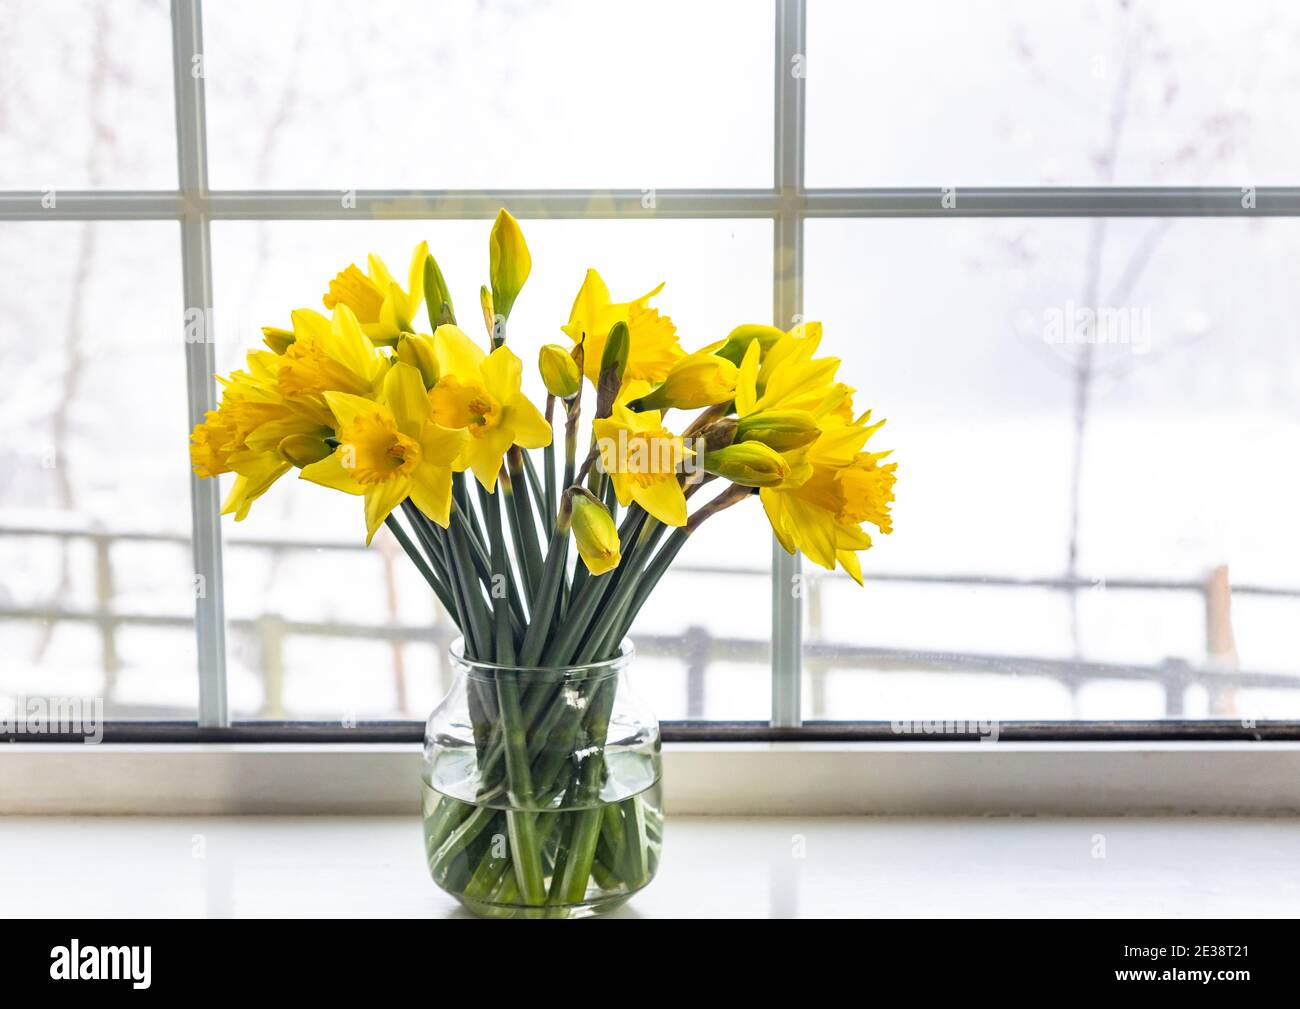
point(787, 303)
point(200, 354)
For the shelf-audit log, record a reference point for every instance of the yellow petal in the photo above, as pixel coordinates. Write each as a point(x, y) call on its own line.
point(774, 506)
point(503, 374)
point(431, 492)
point(457, 354)
point(347, 407)
point(405, 395)
point(330, 472)
point(850, 563)
point(530, 427)
point(747, 380)
point(381, 499)
point(379, 272)
point(483, 455)
point(415, 278)
point(663, 499)
point(441, 445)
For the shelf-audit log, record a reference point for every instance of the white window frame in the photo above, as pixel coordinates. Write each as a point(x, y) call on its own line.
point(788, 203)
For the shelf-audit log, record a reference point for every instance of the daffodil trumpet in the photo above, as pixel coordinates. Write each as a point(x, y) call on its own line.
point(541, 554)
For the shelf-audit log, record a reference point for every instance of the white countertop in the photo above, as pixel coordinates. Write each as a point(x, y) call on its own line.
point(712, 867)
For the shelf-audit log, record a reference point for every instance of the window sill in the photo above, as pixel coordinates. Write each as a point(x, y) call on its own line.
point(791, 779)
point(162, 867)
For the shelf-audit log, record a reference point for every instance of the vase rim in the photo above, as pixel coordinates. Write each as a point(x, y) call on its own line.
point(626, 651)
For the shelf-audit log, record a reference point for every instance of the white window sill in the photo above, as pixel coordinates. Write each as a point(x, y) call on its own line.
point(795, 779)
point(712, 866)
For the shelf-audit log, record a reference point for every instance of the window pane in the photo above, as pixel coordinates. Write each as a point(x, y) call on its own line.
point(970, 337)
point(488, 95)
point(1086, 92)
point(97, 583)
point(86, 96)
point(321, 627)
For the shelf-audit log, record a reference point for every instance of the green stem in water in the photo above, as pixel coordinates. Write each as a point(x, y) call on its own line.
point(522, 823)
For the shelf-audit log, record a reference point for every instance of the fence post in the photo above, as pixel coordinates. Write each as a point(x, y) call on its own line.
point(1220, 642)
point(112, 663)
point(270, 637)
point(698, 647)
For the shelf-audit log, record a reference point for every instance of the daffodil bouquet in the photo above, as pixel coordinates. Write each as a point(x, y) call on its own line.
point(433, 431)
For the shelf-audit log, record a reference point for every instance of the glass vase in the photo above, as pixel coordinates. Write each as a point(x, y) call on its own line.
point(541, 791)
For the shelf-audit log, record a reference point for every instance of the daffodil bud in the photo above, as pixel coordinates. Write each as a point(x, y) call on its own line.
point(696, 381)
point(783, 430)
point(510, 262)
point(613, 362)
point(417, 351)
point(593, 531)
point(279, 340)
point(750, 464)
point(739, 339)
point(495, 323)
point(719, 434)
point(303, 449)
point(437, 297)
point(560, 373)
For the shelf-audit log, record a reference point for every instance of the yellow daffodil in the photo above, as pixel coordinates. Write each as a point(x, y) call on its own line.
point(390, 450)
point(694, 381)
point(836, 485)
point(643, 458)
point(788, 377)
point(654, 347)
point(822, 517)
point(329, 355)
point(243, 435)
point(381, 306)
point(481, 393)
point(594, 532)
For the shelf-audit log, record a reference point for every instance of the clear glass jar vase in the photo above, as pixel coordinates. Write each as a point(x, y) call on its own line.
point(541, 792)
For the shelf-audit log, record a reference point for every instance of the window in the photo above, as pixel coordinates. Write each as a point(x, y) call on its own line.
point(1053, 248)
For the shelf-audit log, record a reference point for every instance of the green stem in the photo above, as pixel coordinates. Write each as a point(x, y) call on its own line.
point(421, 565)
point(523, 828)
point(479, 633)
point(548, 463)
point(530, 551)
point(548, 595)
point(503, 636)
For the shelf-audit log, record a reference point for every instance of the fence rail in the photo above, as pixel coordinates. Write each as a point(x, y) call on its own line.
point(697, 648)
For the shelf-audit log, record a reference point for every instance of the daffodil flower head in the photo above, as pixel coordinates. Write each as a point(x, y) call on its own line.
point(329, 355)
point(481, 394)
point(788, 376)
point(390, 450)
point(653, 337)
point(822, 517)
point(643, 459)
point(243, 434)
point(383, 309)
